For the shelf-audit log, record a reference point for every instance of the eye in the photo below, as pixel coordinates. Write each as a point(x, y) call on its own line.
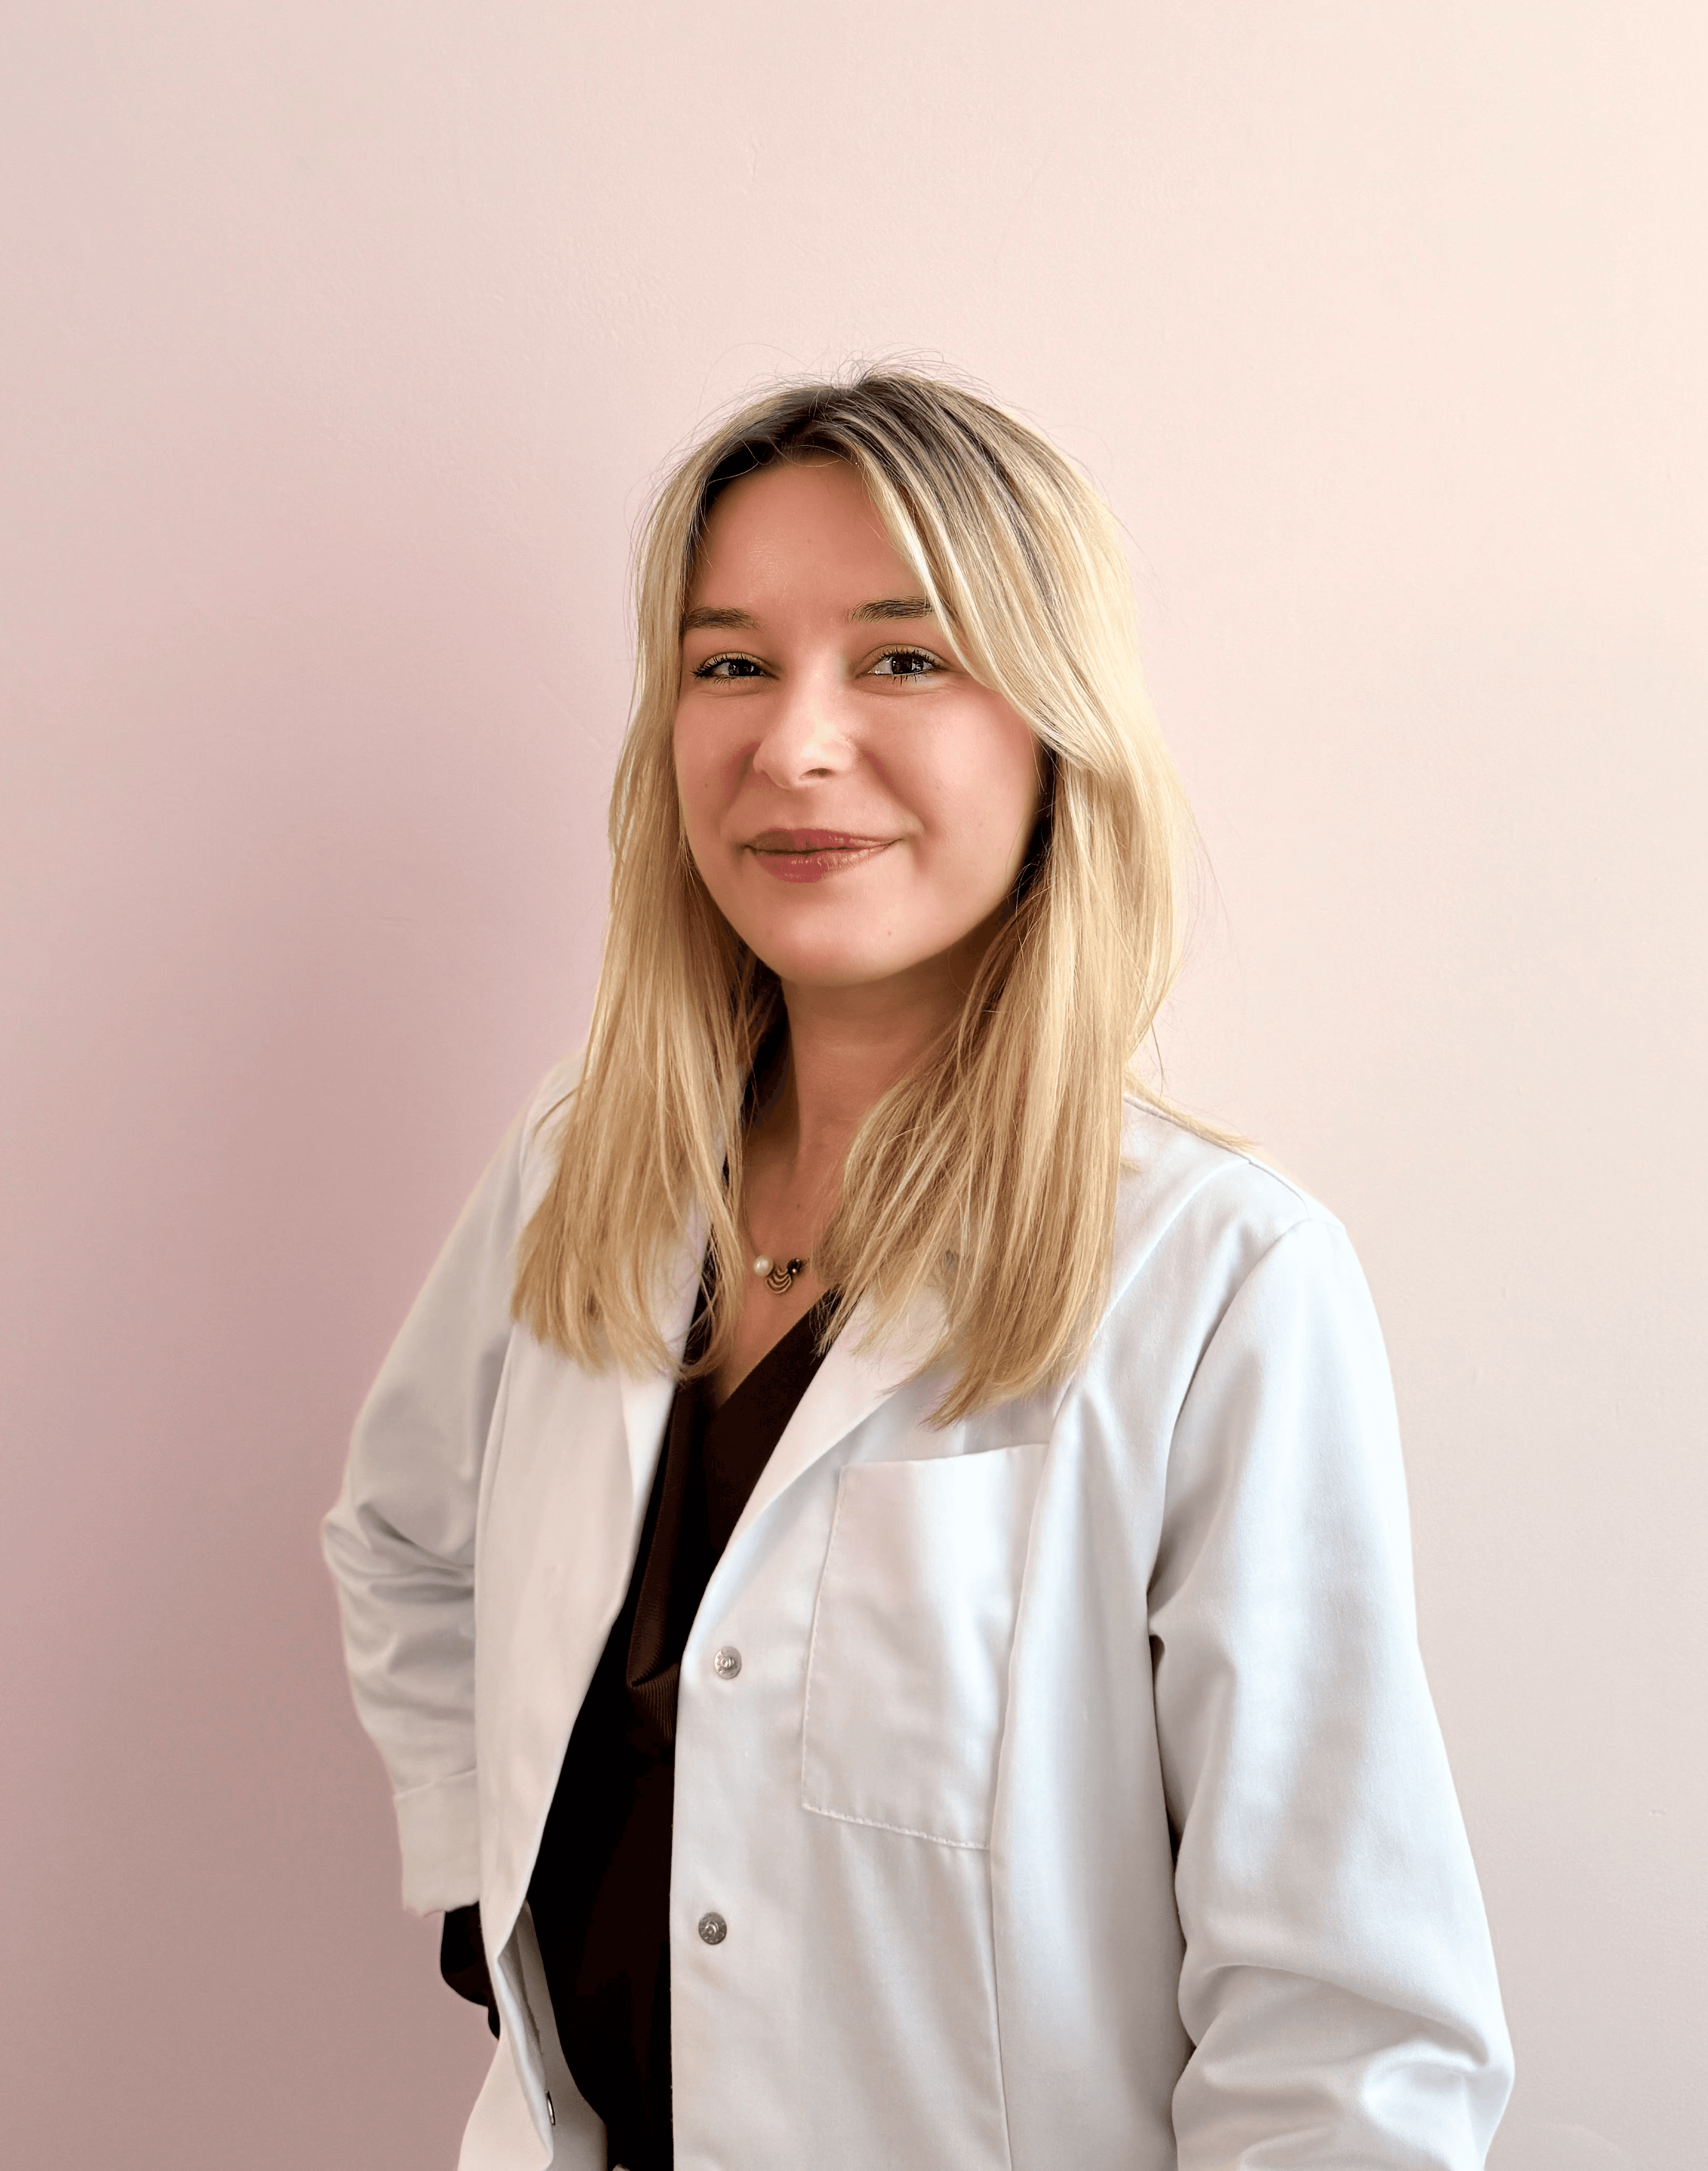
point(906, 663)
point(729, 667)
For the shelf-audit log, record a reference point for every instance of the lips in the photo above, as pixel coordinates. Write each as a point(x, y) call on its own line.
point(808, 855)
point(812, 840)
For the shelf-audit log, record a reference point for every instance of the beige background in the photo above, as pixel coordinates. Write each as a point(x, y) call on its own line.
point(340, 339)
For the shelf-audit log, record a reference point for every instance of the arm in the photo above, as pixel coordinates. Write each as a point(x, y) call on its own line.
point(1338, 1982)
point(400, 1542)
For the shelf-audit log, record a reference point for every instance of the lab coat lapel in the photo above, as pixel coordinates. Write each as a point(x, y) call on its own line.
point(847, 1386)
point(646, 1398)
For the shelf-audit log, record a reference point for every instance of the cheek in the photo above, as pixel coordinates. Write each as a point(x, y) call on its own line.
point(988, 797)
point(702, 795)
point(695, 788)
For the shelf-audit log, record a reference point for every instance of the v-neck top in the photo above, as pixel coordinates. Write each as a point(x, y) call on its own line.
point(600, 1888)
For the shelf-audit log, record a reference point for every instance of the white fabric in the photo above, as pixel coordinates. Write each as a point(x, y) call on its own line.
point(1079, 1799)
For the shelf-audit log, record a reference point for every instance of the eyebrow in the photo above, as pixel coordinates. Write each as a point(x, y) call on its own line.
point(706, 616)
point(892, 607)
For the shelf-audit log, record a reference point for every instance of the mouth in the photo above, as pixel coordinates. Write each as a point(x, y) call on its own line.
point(802, 855)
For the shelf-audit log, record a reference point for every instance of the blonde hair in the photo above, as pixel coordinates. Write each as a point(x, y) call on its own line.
point(986, 1176)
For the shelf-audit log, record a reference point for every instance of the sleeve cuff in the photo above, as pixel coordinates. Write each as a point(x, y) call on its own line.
point(439, 1832)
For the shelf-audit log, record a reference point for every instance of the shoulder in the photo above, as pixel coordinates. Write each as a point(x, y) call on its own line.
point(1196, 1220)
point(1187, 1192)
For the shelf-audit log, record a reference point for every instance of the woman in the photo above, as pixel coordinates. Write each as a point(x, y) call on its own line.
point(879, 1559)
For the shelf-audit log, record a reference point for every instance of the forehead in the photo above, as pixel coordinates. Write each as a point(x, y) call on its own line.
point(799, 526)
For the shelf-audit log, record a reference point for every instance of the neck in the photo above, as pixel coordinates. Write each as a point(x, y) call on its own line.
point(846, 1047)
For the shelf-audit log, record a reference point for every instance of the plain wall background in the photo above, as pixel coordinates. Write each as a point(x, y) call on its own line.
point(339, 343)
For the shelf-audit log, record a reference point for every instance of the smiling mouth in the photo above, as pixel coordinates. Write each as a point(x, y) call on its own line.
point(809, 854)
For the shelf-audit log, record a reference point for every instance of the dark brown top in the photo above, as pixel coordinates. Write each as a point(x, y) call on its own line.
point(601, 1887)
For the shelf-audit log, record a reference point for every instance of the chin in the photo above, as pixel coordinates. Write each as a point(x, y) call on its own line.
point(829, 964)
point(817, 968)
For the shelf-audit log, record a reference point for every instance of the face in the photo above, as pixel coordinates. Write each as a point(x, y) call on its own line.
point(857, 804)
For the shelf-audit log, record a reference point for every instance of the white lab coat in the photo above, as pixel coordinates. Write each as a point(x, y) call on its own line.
point(1078, 1799)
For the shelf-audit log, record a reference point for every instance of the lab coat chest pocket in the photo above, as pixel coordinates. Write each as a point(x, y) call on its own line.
point(907, 1671)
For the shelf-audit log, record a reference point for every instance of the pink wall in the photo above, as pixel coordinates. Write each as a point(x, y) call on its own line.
point(340, 341)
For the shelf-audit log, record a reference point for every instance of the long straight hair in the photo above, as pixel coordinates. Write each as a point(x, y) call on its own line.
point(985, 1180)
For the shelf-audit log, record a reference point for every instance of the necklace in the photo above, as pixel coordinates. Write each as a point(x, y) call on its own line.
point(779, 1276)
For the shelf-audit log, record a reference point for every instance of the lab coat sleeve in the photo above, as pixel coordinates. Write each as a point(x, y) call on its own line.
point(1338, 1983)
point(400, 1540)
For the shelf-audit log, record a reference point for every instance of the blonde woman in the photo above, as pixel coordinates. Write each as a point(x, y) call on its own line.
point(878, 1564)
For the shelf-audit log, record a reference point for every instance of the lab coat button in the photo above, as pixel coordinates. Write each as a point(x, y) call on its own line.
point(727, 1664)
point(713, 1929)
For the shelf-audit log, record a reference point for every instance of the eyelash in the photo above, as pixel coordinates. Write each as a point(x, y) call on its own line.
point(708, 669)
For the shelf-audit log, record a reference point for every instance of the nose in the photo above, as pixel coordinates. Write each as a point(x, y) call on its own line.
point(805, 741)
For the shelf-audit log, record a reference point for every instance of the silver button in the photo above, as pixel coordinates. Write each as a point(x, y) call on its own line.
point(713, 1929)
point(551, 2108)
point(727, 1664)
